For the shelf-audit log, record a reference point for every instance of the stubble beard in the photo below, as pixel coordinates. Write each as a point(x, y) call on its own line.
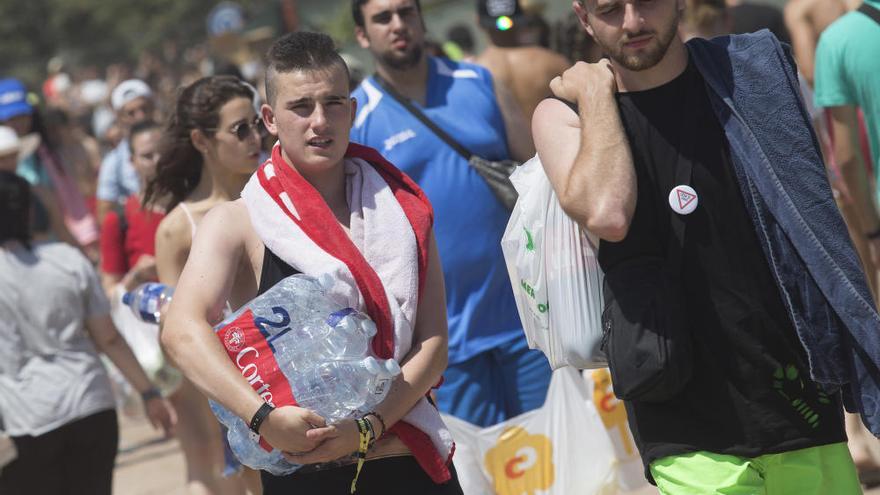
point(646, 59)
point(408, 60)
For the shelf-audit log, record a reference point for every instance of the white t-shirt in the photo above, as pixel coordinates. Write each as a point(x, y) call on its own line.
point(50, 372)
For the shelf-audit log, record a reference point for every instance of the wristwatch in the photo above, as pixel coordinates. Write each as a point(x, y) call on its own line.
point(149, 394)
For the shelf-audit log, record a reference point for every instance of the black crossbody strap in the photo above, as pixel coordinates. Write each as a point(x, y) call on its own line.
point(461, 150)
point(870, 11)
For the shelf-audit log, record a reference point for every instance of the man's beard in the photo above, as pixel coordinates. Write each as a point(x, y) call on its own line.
point(402, 62)
point(649, 58)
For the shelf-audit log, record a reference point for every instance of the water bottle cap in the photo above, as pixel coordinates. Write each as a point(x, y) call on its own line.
point(369, 327)
point(127, 297)
point(372, 365)
point(347, 325)
point(392, 367)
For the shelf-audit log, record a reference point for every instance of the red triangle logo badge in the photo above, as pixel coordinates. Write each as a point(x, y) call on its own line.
point(685, 198)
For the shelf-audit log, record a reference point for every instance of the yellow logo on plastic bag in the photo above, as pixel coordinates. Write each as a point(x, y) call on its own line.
point(521, 463)
point(610, 408)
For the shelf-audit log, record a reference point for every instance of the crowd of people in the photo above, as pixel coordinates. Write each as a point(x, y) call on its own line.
point(731, 181)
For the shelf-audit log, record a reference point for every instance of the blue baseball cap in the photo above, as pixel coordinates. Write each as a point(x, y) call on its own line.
point(13, 99)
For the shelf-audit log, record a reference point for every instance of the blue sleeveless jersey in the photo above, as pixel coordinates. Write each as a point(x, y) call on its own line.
point(469, 221)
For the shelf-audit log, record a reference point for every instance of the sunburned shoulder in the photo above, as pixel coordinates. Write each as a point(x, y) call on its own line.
point(229, 220)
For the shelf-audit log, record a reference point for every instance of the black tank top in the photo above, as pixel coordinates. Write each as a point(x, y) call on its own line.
point(273, 271)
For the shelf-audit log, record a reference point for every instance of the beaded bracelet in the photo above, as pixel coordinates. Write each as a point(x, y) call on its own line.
point(381, 422)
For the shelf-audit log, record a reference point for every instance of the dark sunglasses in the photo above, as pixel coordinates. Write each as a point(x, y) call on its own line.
point(243, 130)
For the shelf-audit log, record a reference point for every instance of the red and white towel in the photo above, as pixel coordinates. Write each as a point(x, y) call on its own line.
point(379, 270)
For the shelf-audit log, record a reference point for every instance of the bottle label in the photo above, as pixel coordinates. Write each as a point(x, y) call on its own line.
point(149, 302)
point(247, 344)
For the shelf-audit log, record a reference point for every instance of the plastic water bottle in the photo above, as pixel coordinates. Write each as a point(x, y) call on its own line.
point(322, 350)
point(342, 389)
point(148, 300)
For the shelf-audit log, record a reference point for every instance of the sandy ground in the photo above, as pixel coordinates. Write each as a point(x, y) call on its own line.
point(147, 464)
point(150, 465)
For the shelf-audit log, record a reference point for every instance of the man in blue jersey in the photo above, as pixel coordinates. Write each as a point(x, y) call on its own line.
point(492, 374)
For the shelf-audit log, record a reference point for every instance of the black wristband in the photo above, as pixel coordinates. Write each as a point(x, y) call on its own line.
point(873, 235)
point(260, 416)
point(150, 394)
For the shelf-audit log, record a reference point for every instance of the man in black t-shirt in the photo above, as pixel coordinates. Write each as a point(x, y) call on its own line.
point(748, 419)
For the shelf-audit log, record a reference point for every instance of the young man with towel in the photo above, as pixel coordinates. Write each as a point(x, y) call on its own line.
point(320, 206)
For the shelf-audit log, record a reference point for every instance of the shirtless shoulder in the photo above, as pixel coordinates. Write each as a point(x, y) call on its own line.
point(228, 230)
point(174, 228)
point(173, 242)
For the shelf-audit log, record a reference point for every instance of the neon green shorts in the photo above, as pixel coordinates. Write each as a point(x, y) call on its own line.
point(823, 470)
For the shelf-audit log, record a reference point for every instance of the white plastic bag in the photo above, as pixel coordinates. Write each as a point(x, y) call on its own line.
point(143, 338)
point(555, 274)
point(630, 470)
point(559, 449)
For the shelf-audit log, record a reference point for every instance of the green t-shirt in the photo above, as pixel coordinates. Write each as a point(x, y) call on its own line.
point(848, 70)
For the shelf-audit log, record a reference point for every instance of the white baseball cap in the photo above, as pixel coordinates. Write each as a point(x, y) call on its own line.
point(127, 91)
point(9, 142)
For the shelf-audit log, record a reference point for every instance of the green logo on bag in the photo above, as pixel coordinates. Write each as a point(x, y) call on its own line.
point(530, 244)
point(542, 308)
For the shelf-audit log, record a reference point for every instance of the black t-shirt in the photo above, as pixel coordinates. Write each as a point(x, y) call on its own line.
point(750, 393)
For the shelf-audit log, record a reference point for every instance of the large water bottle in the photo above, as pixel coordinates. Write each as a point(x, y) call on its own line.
point(319, 348)
point(147, 301)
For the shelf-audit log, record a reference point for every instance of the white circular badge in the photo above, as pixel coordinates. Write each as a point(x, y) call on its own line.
point(683, 199)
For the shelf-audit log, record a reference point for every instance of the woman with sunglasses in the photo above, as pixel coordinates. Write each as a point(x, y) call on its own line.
point(209, 150)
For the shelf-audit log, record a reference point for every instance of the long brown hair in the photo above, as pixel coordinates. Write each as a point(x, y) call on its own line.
point(180, 163)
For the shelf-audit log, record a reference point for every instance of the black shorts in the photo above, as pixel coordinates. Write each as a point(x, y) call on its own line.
point(400, 475)
point(74, 459)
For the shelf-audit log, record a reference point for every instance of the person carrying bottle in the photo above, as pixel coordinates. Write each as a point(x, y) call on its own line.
point(128, 233)
point(321, 205)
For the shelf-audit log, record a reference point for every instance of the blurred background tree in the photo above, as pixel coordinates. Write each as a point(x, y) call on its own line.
point(97, 32)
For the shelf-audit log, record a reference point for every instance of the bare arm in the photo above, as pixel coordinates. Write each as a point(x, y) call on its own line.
point(421, 368)
point(587, 156)
point(516, 126)
point(848, 156)
point(108, 341)
point(803, 36)
point(189, 339)
point(109, 282)
point(143, 271)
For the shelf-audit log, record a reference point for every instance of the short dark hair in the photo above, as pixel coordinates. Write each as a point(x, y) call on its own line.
point(15, 209)
point(300, 51)
point(139, 128)
point(358, 14)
